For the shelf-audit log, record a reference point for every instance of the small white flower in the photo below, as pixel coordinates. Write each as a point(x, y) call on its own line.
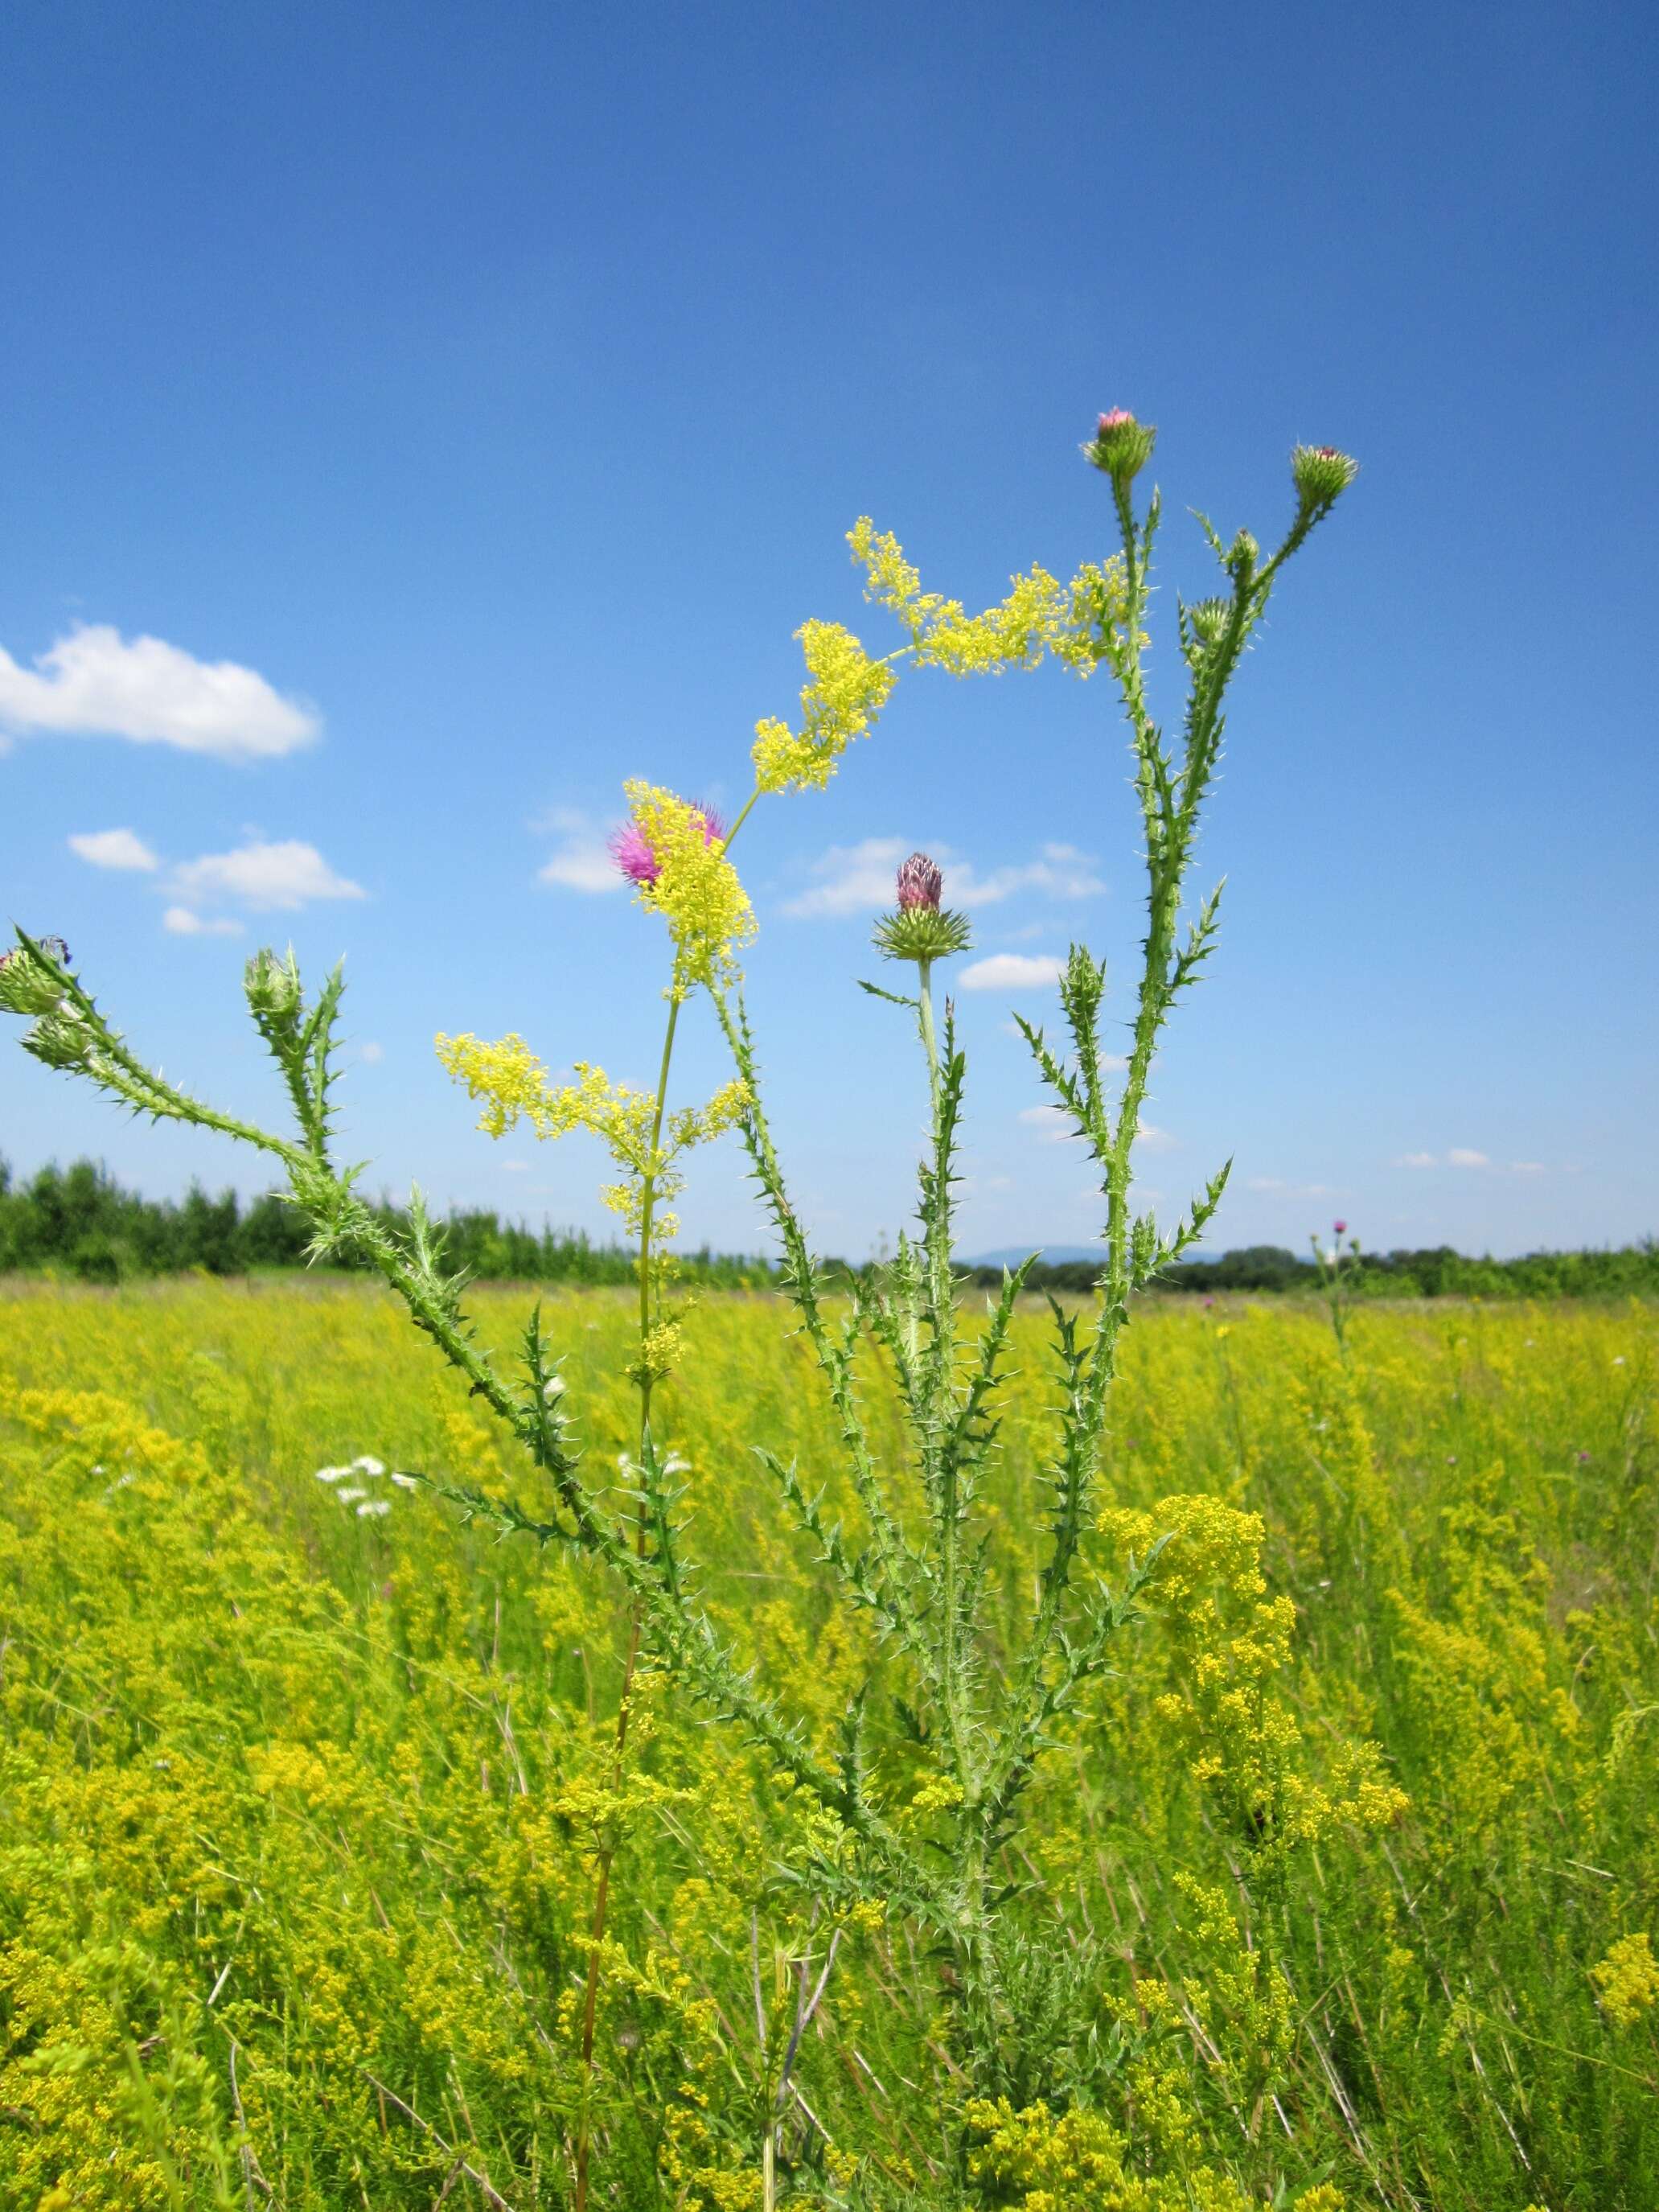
point(1620, 1361)
point(554, 1388)
point(331, 1474)
point(675, 1465)
point(347, 1495)
point(367, 1464)
point(374, 1506)
point(407, 1481)
point(624, 1463)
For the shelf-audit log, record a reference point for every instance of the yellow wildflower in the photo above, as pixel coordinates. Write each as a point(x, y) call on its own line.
point(1628, 1979)
point(690, 882)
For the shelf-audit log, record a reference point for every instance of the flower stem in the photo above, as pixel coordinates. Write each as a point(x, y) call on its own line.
point(636, 1612)
point(635, 1625)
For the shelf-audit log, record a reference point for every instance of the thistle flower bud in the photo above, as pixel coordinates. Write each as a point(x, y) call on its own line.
point(28, 986)
point(60, 1039)
point(1321, 474)
point(1209, 617)
point(921, 929)
point(920, 883)
point(272, 985)
point(1121, 445)
point(1242, 556)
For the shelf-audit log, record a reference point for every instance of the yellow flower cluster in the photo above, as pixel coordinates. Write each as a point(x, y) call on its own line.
point(1079, 2161)
point(847, 690)
point(513, 1086)
point(1243, 1740)
point(696, 889)
point(1628, 1979)
point(1075, 622)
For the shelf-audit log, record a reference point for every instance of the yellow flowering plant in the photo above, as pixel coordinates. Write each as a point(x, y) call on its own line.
point(919, 1821)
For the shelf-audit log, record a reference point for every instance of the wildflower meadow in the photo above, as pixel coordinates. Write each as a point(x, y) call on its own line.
point(853, 1742)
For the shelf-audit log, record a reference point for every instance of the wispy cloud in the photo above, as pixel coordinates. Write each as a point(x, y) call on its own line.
point(1277, 1183)
point(183, 923)
point(858, 878)
point(1464, 1156)
point(287, 874)
point(95, 682)
point(581, 860)
point(114, 848)
point(1012, 971)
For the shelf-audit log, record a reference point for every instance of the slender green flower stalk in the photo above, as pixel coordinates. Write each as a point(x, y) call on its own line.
point(918, 1821)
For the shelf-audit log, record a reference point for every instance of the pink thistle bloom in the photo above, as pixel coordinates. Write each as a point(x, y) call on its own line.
point(631, 849)
point(1341, 1228)
point(921, 884)
point(1116, 415)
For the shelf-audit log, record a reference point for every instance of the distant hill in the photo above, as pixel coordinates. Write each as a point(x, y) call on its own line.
point(1054, 1255)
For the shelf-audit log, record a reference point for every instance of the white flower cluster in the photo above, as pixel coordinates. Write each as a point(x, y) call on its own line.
point(370, 1469)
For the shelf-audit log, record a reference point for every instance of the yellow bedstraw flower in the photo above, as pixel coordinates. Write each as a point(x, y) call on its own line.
point(513, 1086)
point(674, 852)
point(1628, 1979)
point(846, 691)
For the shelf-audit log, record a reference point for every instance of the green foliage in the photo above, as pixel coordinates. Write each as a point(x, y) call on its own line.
point(320, 1792)
point(81, 1220)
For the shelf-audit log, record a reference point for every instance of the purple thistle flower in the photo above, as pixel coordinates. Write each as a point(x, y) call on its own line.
point(53, 947)
point(1116, 415)
point(631, 850)
point(921, 884)
point(1340, 1227)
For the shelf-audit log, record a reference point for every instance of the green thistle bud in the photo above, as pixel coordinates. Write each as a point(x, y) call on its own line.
point(272, 986)
point(921, 929)
point(1321, 474)
point(1209, 618)
point(60, 1039)
point(28, 985)
point(1121, 445)
point(1242, 556)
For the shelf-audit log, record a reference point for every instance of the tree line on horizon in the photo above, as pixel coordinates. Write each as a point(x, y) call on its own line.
point(80, 1222)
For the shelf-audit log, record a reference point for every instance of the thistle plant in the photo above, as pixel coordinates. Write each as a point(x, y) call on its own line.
point(918, 1796)
point(1339, 1267)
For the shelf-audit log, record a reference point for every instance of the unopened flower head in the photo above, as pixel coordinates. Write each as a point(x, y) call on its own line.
point(1341, 1228)
point(28, 986)
point(1321, 475)
point(921, 929)
point(920, 883)
point(1121, 445)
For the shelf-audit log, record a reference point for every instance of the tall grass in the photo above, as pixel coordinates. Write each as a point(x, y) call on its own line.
point(299, 1806)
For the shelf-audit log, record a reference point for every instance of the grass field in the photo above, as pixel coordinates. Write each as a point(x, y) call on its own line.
point(298, 1801)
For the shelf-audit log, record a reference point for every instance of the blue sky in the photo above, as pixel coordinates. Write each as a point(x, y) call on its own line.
point(469, 403)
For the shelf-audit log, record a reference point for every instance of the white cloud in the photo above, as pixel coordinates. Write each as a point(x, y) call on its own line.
point(182, 923)
point(1155, 1139)
point(371, 1053)
point(1053, 1123)
point(114, 848)
point(515, 1167)
point(1012, 971)
point(1417, 1160)
point(1461, 1156)
point(1527, 1167)
point(95, 682)
point(1291, 1189)
point(581, 860)
point(287, 874)
point(858, 878)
